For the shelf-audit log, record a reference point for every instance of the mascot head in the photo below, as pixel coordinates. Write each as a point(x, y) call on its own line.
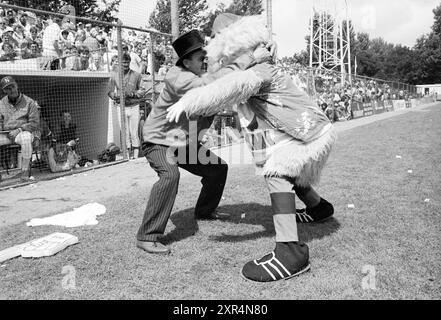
point(233, 36)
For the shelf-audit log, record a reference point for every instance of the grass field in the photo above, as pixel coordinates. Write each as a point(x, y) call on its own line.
point(391, 229)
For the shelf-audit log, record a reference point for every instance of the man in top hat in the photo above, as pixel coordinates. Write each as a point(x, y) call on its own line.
point(170, 146)
point(161, 139)
point(21, 120)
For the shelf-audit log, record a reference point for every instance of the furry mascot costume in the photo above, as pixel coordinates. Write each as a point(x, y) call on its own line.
point(290, 138)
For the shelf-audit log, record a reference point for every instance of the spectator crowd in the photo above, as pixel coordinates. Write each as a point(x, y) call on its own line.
point(67, 45)
point(335, 96)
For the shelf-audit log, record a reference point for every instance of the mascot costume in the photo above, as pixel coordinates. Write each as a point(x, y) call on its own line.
point(289, 136)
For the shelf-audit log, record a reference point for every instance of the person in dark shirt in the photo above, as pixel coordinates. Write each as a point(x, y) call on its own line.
point(67, 130)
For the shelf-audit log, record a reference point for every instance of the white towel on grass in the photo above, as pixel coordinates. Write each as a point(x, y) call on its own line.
point(82, 216)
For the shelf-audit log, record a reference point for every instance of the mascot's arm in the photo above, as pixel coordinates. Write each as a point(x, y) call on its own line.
point(234, 88)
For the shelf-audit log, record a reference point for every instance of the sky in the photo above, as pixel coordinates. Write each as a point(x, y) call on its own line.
point(396, 21)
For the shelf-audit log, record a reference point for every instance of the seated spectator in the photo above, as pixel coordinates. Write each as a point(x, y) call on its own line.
point(22, 50)
point(7, 37)
point(71, 58)
point(91, 41)
point(65, 42)
point(19, 34)
point(33, 36)
point(81, 63)
point(88, 29)
point(62, 155)
point(3, 25)
point(7, 52)
point(23, 21)
point(96, 62)
point(10, 16)
point(80, 37)
point(21, 117)
point(66, 130)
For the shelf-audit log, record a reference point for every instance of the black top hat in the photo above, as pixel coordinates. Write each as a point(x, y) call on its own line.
point(187, 43)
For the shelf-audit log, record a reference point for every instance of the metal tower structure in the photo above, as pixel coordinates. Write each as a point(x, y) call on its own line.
point(330, 41)
point(267, 7)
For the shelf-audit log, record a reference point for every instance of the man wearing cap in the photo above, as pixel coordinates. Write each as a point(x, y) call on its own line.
point(164, 142)
point(21, 117)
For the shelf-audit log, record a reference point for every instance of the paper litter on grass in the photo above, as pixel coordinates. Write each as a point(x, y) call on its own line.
point(351, 206)
point(42, 247)
point(82, 216)
point(409, 171)
point(427, 200)
point(398, 157)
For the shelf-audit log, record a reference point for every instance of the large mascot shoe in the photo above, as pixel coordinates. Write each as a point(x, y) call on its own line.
point(320, 213)
point(285, 262)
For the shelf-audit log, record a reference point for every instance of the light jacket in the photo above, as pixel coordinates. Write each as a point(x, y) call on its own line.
point(24, 114)
point(178, 81)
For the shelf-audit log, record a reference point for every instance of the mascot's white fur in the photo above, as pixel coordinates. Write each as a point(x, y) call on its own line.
point(300, 159)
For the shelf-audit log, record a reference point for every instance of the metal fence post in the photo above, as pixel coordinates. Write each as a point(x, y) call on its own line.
point(152, 39)
point(122, 104)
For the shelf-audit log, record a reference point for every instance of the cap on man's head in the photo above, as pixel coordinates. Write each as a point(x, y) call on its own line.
point(8, 29)
point(6, 82)
point(187, 43)
point(222, 21)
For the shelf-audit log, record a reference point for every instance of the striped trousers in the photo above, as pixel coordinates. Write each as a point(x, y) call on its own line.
point(164, 191)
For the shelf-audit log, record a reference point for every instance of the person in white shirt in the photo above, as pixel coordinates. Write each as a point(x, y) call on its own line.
point(51, 36)
point(136, 61)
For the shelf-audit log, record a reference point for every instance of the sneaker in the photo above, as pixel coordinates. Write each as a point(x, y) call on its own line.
point(320, 213)
point(288, 260)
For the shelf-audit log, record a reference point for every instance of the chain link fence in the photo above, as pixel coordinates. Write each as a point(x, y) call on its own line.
point(66, 63)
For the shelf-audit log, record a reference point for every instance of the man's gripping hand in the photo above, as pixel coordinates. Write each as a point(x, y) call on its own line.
point(175, 112)
point(265, 53)
point(14, 133)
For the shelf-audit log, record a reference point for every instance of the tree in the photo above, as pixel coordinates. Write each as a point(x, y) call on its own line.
point(245, 7)
point(83, 8)
point(436, 28)
point(427, 62)
point(239, 7)
point(192, 15)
